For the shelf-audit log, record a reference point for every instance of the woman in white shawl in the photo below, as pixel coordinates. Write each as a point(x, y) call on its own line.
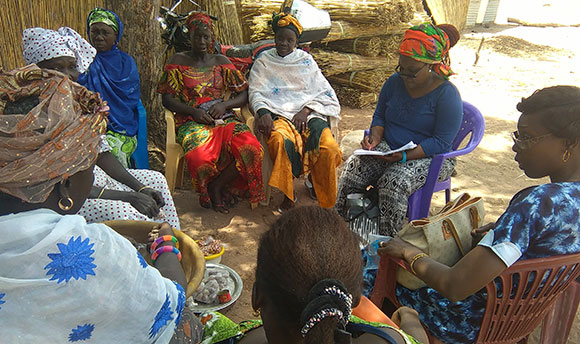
point(293, 102)
point(61, 279)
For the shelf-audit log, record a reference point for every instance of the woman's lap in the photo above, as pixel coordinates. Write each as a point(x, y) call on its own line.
point(395, 183)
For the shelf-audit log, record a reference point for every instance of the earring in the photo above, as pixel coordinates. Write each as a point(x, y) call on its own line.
point(566, 156)
point(66, 207)
point(257, 313)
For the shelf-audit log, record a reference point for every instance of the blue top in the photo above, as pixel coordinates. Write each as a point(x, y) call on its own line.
point(431, 121)
point(114, 75)
point(540, 221)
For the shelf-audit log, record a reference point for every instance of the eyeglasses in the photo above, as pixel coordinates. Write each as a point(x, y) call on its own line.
point(527, 143)
point(410, 76)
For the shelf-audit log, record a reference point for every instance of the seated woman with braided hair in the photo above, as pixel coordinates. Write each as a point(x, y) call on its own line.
point(308, 277)
point(540, 221)
point(61, 279)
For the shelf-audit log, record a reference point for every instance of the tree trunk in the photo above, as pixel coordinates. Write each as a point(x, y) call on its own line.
point(142, 40)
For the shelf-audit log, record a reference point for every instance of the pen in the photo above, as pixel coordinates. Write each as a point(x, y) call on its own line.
point(368, 133)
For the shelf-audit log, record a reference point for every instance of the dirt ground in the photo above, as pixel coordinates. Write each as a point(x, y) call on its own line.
point(514, 61)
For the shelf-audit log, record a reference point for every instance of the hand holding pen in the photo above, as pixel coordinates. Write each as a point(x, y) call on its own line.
point(368, 142)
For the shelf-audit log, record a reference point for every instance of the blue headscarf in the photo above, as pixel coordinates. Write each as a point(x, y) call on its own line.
point(114, 75)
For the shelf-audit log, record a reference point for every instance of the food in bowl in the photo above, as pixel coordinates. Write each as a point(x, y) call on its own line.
point(210, 246)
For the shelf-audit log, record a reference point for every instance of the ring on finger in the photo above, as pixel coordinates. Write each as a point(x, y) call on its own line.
point(382, 244)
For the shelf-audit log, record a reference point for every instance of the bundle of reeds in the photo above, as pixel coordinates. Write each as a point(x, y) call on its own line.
point(258, 27)
point(366, 46)
point(331, 62)
point(228, 26)
point(346, 30)
point(380, 12)
point(390, 45)
point(353, 15)
point(366, 81)
point(355, 98)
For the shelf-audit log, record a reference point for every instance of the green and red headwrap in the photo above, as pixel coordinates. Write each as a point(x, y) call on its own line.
point(428, 44)
point(196, 20)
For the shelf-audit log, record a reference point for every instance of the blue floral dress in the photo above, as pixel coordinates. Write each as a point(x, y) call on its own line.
point(540, 221)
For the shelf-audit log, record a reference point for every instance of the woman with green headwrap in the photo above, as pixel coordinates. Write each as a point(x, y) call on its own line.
point(418, 103)
point(114, 75)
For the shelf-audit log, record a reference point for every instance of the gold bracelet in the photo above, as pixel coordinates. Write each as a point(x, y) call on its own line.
point(101, 193)
point(143, 188)
point(416, 258)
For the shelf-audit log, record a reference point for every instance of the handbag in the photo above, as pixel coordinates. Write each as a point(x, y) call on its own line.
point(362, 215)
point(445, 236)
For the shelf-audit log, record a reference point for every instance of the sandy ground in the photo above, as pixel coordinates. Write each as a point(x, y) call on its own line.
point(514, 61)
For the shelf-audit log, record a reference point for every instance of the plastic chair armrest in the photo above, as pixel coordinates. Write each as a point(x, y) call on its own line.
point(169, 118)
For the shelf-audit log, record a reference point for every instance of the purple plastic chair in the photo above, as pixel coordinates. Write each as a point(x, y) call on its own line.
point(420, 200)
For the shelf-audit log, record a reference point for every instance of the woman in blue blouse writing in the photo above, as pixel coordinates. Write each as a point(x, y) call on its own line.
point(540, 221)
point(418, 103)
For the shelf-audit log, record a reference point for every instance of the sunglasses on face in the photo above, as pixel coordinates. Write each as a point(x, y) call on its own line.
point(408, 75)
point(527, 143)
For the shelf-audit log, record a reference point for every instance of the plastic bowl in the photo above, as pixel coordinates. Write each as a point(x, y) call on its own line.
point(215, 258)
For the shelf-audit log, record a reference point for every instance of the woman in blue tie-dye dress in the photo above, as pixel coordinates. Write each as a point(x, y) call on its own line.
point(540, 221)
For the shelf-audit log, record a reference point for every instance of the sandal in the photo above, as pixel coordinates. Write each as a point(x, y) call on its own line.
point(281, 210)
point(205, 205)
point(220, 208)
point(310, 189)
point(230, 200)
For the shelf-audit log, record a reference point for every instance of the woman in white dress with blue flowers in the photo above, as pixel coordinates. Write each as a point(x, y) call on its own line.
point(61, 279)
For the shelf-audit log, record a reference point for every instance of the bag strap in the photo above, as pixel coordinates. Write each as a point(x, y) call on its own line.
point(449, 225)
point(474, 217)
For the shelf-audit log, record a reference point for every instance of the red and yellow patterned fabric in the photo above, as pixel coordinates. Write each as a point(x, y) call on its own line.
point(210, 149)
point(428, 44)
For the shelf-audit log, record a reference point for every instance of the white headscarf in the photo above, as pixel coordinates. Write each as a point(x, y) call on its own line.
point(44, 44)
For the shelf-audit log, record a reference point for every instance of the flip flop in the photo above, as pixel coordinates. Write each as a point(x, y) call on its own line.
point(310, 189)
point(280, 210)
point(220, 208)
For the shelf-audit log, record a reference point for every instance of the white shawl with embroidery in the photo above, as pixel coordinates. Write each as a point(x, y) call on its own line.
point(285, 85)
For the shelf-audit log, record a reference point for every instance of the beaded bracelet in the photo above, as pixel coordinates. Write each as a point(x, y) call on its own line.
point(163, 239)
point(164, 249)
point(416, 258)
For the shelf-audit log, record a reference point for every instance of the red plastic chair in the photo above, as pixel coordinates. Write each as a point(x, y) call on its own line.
point(506, 319)
point(557, 324)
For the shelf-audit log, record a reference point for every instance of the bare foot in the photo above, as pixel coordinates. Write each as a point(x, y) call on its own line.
point(215, 195)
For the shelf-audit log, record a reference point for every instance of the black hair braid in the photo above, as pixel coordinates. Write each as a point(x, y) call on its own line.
point(559, 108)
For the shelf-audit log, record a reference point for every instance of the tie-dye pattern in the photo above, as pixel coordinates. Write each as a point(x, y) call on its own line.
point(541, 221)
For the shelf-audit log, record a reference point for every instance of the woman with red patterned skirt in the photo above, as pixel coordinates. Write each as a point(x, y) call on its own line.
point(224, 158)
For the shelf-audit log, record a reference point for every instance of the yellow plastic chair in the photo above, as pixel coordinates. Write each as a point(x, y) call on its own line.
point(174, 164)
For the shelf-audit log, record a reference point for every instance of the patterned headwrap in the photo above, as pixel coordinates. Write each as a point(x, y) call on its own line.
point(287, 21)
point(100, 15)
point(54, 140)
point(196, 20)
point(428, 44)
point(44, 44)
